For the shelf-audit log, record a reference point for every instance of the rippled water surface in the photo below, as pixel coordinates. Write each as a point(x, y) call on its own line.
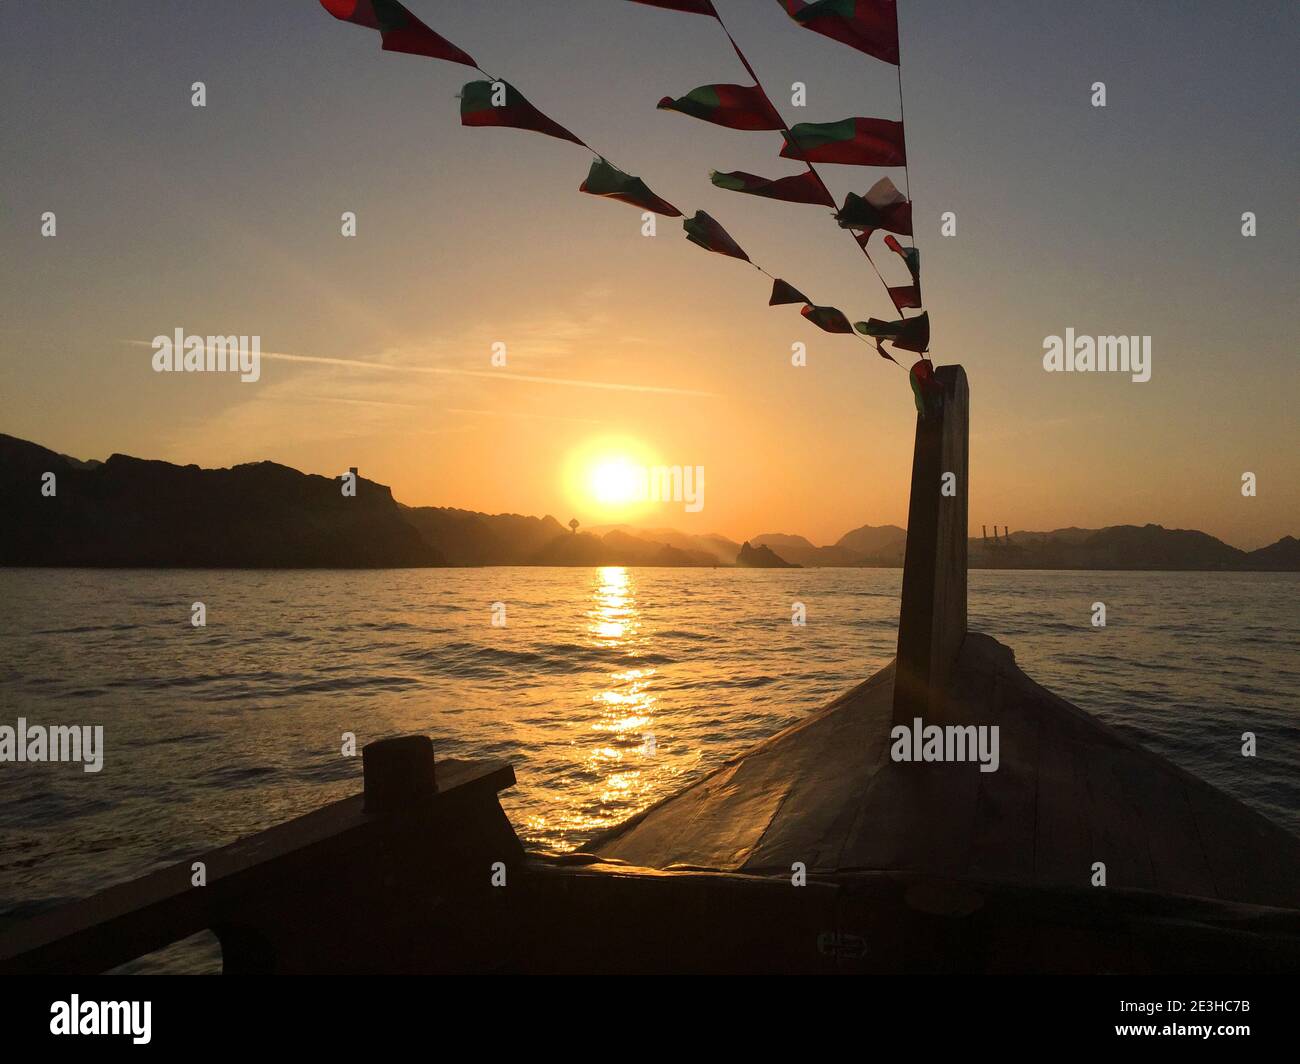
point(606, 688)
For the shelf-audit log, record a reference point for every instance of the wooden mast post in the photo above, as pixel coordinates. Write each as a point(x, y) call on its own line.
point(932, 618)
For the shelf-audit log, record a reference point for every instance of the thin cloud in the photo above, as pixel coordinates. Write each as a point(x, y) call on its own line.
point(284, 356)
point(524, 414)
point(342, 399)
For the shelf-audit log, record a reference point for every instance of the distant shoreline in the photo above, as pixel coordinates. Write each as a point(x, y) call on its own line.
point(522, 565)
point(132, 513)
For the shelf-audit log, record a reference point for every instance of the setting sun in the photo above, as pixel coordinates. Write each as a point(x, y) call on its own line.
point(616, 482)
point(605, 478)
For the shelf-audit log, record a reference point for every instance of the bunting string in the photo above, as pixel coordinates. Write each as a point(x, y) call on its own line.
point(907, 176)
point(495, 102)
point(876, 35)
point(786, 130)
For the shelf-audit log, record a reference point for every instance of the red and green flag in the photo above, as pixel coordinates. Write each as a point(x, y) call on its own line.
point(610, 182)
point(783, 292)
point(801, 188)
point(880, 330)
point(870, 26)
point(398, 28)
point(827, 318)
point(856, 141)
point(926, 389)
point(690, 7)
point(906, 295)
point(495, 103)
point(910, 256)
point(883, 207)
point(909, 334)
point(733, 106)
point(709, 235)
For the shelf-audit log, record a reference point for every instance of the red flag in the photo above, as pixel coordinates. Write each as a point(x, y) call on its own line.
point(709, 235)
point(400, 30)
point(827, 318)
point(857, 141)
point(908, 295)
point(495, 103)
point(783, 292)
point(690, 7)
point(870, 26)
point(801, 188)
point(734, 106)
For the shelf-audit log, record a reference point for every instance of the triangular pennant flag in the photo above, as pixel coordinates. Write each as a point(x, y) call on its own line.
point(926, 389)
point(609, 181)
point(884, 195)
point(881, 330)
point(910, 334)
point(857, 213)
point(870, 26)
point(801, 188)
point(828, 318)
point(880, 350)
point(690, 7)
point(883, 207)
point(783, 292)
point(733, 106)
point(495, 103)
point(856, 141)
point(910, 256)
point(908, 295)
point(400, 30)
point(709, 235)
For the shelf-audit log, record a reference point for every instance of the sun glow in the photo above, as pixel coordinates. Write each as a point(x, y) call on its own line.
point(606, 478)
point(615, 482)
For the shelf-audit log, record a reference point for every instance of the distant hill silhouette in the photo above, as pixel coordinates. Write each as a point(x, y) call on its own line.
point(885, 544)
point(871, 545)
point(615, 548)
point(1128, 547)
point(464, 537)
point(1282, 555)
point(723, 551)
point(761, 557)
point(132, 512)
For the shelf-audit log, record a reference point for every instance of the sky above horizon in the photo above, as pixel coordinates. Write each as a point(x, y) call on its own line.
point(226, 220)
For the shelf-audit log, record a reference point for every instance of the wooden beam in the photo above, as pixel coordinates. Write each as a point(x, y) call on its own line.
point(290, 891)
point(932, 619)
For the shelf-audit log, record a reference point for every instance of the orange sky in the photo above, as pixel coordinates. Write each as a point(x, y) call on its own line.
point(226, 220)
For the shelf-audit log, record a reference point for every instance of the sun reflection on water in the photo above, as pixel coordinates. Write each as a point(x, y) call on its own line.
point(622, 723)
point(613, 617)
